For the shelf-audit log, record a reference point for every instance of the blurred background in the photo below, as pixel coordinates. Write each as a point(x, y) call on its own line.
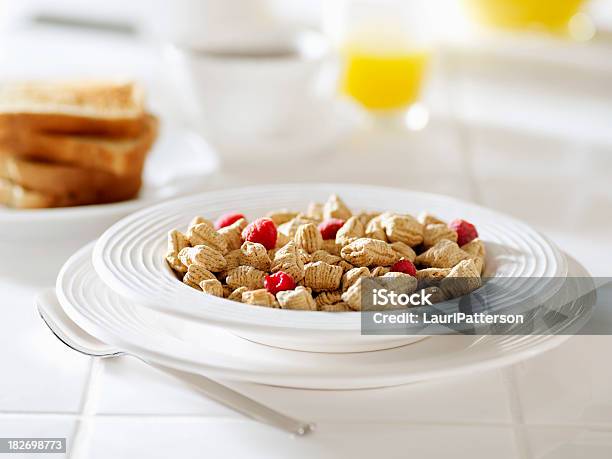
point(504, 102)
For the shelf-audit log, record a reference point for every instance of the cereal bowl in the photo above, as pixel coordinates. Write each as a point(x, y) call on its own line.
point(129, 258)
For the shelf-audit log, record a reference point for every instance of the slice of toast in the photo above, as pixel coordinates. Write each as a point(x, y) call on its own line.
point(116, 156)
point(84, 107)
point(12, 195)
point(61, 180)
point(20, 197)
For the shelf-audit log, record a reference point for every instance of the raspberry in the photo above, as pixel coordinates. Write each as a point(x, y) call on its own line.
point(330, 227)
point(466, 232)
point(278, 282)
point(262, 231)
point(404, 266)
point(227, 219)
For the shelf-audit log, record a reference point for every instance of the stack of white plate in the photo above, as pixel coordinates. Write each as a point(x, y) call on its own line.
point(121, 291)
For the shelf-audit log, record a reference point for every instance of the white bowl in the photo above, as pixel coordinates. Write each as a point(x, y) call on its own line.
point(129, 258)
point(180, 343)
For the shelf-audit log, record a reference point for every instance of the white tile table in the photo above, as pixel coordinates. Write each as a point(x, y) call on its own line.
point(549, 165)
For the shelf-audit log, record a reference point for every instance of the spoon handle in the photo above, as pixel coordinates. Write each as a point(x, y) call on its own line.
point(238, 402)
point(79, 340)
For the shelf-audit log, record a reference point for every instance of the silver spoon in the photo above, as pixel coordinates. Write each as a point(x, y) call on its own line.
point(76, 338)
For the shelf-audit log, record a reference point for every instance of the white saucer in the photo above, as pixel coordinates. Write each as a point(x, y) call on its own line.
point(129, 257)
point(180, 343)
point(165, 176)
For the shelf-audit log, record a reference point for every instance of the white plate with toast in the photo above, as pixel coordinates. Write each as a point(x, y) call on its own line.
point(78, 155)
point(165, 176)
point(175, 342)
point(130, 258)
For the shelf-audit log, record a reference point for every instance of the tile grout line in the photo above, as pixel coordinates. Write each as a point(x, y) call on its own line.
point(82, 430)
point(462, 131)
point(516, 412)
point(600, 427)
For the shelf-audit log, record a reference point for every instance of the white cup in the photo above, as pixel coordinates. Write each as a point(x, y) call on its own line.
point(246, 95)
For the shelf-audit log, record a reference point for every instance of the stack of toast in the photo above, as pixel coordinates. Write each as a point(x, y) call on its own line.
point(72, 143)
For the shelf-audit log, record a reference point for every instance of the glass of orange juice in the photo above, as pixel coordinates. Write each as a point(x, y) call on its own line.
point(551, 15)
point(385, 50)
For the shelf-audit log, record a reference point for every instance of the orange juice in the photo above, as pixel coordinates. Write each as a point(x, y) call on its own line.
point(550, 14)
point(384, 79)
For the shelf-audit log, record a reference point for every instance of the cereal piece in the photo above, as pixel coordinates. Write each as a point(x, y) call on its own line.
point(290, 228)
point(345, 265)
point(380, 271)
point(330, 246)
point(288, 260)
point(196, 274)
point(365, 217)
point(304, 256)
point(431, 276)
point(369, 252)
point(375, 230)
point(437, 294)
point(260, 297)
point(300, 298)
point(325, 298)
point(245, 276)
point(462, 279)
point(476, 249)
point(322, 255)
point(322, 276)
point(212, 287)
point(308, 237)
point(400, 282)
point(404, 251)
point(445, 254)
point(204, 234)
point(232, 260)
point(435, 232)
point(177, 241)
point(306, 218)
point(351, 230)
point(204, 256)
point(281, 216)
point(198, 220)
point(352, 297)
point(227, 291)
point(281, 240)
point(426, 218)
point(351, 276)
point(256, 255)
point(236, 294)
point(272, 253)
point(315, 211)
point(334, 207)
point(232, 234)
point(403, 228)
point(340, 306)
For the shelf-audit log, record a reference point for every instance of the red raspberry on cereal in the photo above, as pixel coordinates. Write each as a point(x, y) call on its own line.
point(278, 282)
point(466, 232)
point(330, 227)
point(404, 266)
point(227, 219)
point(263, 231)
